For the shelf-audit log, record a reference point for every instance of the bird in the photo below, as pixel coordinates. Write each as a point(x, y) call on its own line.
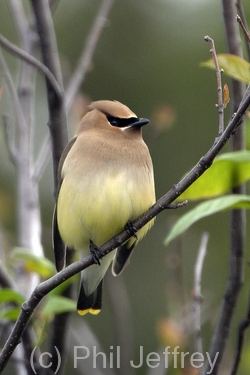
point(106, 181)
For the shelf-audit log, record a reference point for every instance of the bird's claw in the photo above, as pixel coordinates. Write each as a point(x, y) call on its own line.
point(131, 229)
point(96, 253)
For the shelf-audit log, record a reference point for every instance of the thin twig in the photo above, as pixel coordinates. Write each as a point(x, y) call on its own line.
point(17, 109)
point(87, 53)
point(42, 159)
point(10, 140)
point(177, 205)
point(238, 222)
point(44, 288)
point(218, 71)
point(241, 13)
point(244, 324)
point(197, 291)
point(246, 33)
point(31, 60)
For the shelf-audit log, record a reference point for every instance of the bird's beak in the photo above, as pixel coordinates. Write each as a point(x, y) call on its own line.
point(141, 122)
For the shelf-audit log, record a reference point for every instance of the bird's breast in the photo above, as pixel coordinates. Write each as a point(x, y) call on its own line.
point(101, 194)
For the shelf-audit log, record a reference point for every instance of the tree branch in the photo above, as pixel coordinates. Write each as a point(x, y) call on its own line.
point(244, 324)
point(44, 288)
point(218, 72)
point(88, 52)
point(197, 291)
point(57, 114)
point(235, 276)
point(242, 21)
point(33, 61)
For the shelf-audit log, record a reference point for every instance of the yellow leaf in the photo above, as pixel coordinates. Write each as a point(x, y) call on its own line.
point(226, 95)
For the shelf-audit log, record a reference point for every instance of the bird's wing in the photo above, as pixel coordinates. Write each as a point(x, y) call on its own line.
point(122, 256)
point(58, 244)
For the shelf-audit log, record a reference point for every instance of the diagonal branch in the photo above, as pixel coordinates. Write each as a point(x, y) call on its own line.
point(44, 288)
point(33, 61)
point(88, 52)
point(243, 23)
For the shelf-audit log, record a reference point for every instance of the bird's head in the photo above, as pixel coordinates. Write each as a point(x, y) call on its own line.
point(107, 113)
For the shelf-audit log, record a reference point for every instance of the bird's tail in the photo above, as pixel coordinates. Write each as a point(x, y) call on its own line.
point(91, 303)
point(90, 294)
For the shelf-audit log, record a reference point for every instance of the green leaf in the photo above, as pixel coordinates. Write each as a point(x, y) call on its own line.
point(60, 288)
point(9, 295)
point(206, 209)
point(10, 313)
point(233, 66)
point(34, 263)
point(228, 171)
point(57, 305)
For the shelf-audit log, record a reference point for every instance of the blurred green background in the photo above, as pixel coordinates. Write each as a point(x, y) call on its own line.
point(148, 57)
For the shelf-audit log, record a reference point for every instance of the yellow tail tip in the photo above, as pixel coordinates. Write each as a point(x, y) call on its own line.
point(91, 311)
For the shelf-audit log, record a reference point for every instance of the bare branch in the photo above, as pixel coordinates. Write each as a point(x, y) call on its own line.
point(218, 71)
point(88, 52)
point(197, 291)
point(10, 140)
point(17, 109)
point(238, 224)
point(48, 285)
point(244, 324)
point(243, 22)
point(246, 33)
point(42, 159)
point(177, 205)
point(19, 18)
point(57, 115)
point(33, 61)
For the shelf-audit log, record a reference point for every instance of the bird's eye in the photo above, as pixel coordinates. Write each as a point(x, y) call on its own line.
point(121, 122)
point(113, 120)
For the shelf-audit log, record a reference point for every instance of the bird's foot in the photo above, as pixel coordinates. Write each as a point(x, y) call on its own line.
point(96, 253)
point(131, 229)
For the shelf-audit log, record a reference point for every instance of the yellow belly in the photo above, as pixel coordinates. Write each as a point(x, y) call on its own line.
point(98, 208)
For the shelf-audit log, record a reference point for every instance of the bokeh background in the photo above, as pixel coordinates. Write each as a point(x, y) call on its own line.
point(148, 57)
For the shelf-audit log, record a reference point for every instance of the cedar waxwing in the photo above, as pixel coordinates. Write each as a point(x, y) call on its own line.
point(106, 181)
